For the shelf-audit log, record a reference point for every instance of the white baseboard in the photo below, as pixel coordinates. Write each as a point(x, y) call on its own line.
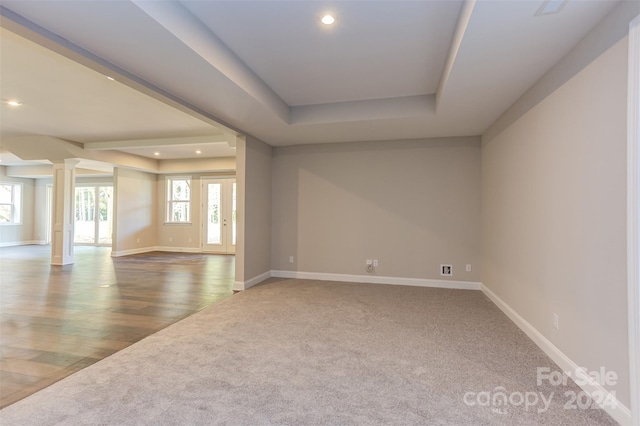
point(22, 243)
point(155, 248)
point(132, 251)
point(178, 249)
point(243, 285)
point(374, 279)
point(617, 410)
point(371, 279)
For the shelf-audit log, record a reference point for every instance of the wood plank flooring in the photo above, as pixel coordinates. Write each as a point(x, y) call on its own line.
point(56, 320)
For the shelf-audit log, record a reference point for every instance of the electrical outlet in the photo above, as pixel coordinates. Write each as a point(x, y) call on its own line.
point(446, 270)
point(189, 239)
point(556, 321)
point(170, 239)
point(138, 240)
point(290, 259)
point(370, 268)
point(375, 262)
point(468, 267)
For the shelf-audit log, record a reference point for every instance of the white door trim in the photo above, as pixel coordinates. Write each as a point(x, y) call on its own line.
point(633, 212)
point(48, 193)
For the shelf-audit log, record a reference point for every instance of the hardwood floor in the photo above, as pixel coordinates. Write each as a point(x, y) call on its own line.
point(56, 320)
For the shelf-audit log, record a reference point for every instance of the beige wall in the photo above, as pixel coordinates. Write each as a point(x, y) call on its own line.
point(136, 210)
point(253, 258)
point(98, 180)
point(412, 205)
point(183, 236)
point(554, 216)
point(24, 232)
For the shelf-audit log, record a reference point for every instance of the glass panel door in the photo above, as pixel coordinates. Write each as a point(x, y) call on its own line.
point(105, 219)
point(219, 213)
point(93, 214)
point(85, 226)
point(214, 218)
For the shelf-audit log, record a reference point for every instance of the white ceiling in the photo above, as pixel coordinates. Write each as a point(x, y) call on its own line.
point(376, 49)
point(268, 68)
point(9, 159)
point(67, 100)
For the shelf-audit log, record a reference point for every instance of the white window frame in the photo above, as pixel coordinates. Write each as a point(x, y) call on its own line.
point(16, 203)
point(170, 201)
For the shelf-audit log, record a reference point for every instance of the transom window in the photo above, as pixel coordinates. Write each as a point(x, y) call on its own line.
point(178, 199)
point(10, 203)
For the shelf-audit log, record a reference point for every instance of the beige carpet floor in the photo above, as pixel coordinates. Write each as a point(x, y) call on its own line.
point(300, 352)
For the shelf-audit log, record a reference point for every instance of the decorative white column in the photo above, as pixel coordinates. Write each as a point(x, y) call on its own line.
point(62, 211)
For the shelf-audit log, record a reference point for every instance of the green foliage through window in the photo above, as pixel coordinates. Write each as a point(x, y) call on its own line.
point(178, 199)
point(10, 202)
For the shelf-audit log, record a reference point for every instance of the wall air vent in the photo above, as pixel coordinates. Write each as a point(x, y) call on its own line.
point(549, 7)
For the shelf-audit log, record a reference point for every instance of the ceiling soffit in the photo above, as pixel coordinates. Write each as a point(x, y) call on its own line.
point(321, 92)
point(494, 52)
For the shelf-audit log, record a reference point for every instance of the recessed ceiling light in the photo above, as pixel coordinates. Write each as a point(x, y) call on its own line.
point(156, 153)
point(328, 19)
point(198, 152)
point(13, 103)
point(110, 78)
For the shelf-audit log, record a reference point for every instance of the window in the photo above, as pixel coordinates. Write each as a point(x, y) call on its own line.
point(178, 199)
point(10, 203)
